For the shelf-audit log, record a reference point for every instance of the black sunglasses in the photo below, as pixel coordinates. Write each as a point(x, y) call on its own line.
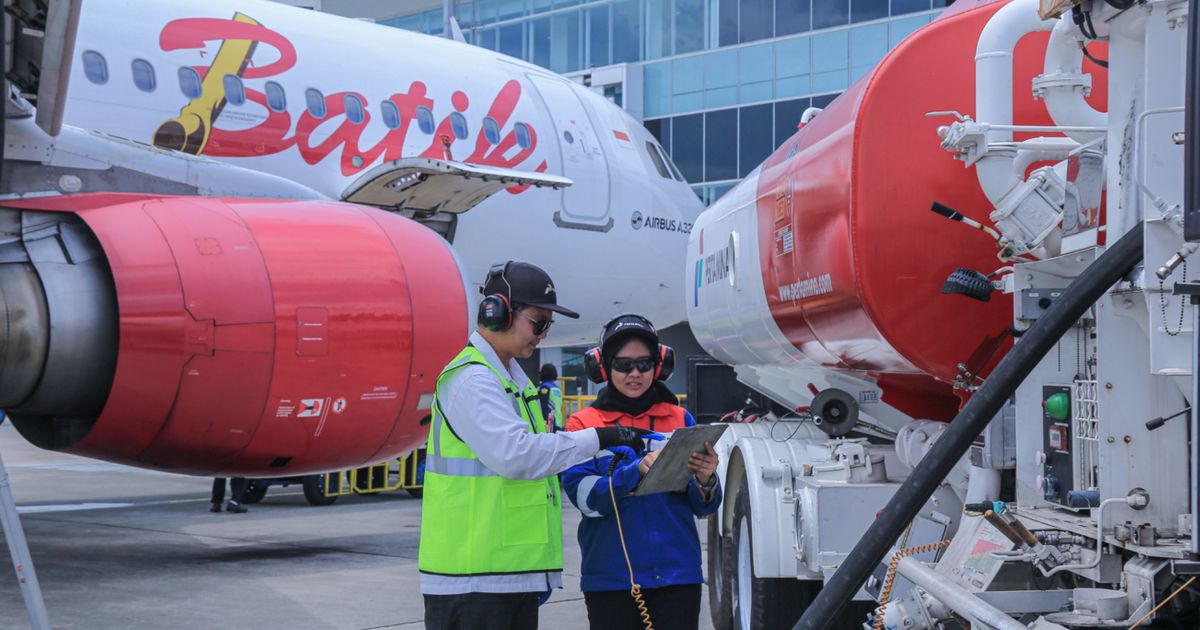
point(626, 364)
point(539, 325)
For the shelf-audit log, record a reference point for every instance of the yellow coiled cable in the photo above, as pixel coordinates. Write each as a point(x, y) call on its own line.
point(634, 588)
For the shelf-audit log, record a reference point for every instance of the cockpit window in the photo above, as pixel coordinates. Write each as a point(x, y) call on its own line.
point(391, 115)
point(276, 98)
point(235, 92)
point(658, 161)
point(95, 67)
point(458, 124)
point(674, 169)
point(143, 75)
point(524, 135)
point(189, 82)
point(355, 111)
point(425, 119)
point(315, 102)
point(491, 130)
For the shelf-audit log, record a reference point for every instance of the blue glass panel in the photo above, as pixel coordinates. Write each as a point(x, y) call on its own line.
point(689, 26)
point(827, 13)
point(189, 82)
point(755, 20)
point(658, 28)
point(465, 12)
point(755, 92)
point(235, 92)
point(689, 102)
point(793, 57)
point(314, 101)
point(564, 42)
point(792, 86)
point(656, 83)
point(508, 9)
point(276, 98)
point(539, 6)
point(355, 112)
point(756, 63)
point(143, 75)
point(687, 146)
point(863, 10)
point(654, 127)
point(755, 137)
point(720, 69)
point(661, 129)
point(95, 68)
point(597, 29)
point(792, 16)
point(687, 74)
point(727, 18)
point(485, 11)
point(899, 29)
point(830, 51)
point(868, 45)
point(720, 145)
point(626, 31)
point(486, 38)
point(721, 97)
point(900, 7)
point(512, 40)
point(540, 42)
point(830, 81)
point(824, 101)
point(787, 116)
point(389, 113)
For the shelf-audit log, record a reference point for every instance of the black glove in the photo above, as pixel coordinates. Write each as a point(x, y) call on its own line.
point(623, 436)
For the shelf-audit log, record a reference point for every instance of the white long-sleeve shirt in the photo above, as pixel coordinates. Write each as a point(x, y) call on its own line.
point(481, 413)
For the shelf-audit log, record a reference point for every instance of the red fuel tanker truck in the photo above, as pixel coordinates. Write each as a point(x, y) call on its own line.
point(938, 284)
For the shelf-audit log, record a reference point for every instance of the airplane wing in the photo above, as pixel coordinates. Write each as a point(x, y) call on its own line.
point(41, 48)
point(430, 186)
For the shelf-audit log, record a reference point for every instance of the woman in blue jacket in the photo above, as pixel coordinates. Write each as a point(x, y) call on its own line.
point(660, 529)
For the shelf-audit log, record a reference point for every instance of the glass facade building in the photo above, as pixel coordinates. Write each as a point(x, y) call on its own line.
point(724, 81)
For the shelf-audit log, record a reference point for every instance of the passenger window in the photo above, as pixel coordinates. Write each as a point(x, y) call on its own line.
point(355, 111)
point(95, 67)
point(391, 115)
point(189, 82)
point(425, 119)
point(315, 102)
point(658, 161)
point(235, 92)
point(491, 130)
point(524, 136)
point(458, 124)
point(276, 98)
point(143, 75)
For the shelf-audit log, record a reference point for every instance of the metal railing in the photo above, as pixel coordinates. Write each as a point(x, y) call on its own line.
point(397, 474)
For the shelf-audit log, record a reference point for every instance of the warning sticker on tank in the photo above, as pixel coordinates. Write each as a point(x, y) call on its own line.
point(311, 407)
point(382, 392)
point(784, 242)
point(339, 405)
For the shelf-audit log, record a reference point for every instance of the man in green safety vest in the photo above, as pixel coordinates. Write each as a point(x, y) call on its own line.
point(550, 395)
point(491, 519)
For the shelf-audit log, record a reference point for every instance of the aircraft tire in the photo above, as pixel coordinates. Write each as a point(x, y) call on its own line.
point(314, 491)
point(254, 493)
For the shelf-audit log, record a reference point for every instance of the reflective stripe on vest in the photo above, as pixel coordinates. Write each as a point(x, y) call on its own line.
point(473, 521)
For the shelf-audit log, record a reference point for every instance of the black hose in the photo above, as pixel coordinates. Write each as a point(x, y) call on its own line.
point(1109, 268)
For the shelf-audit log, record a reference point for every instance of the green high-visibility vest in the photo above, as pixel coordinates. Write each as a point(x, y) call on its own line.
point(473, 521)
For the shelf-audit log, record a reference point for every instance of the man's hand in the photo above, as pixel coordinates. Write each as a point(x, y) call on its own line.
point(625, 436)
point(703, 465)
point(647, 462)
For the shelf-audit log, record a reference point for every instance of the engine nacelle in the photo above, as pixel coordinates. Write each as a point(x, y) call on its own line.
point(223, 336)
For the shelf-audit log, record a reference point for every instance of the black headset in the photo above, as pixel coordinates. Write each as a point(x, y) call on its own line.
point(495, 310)
point(593, 359)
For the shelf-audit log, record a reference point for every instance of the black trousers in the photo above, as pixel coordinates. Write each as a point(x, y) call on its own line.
point(237, 489)
point(482, 611)
point(671, 608)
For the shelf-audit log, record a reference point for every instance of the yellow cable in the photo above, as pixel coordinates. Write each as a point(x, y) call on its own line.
point(1162, 603)
point(634, 588)
point(885, 593)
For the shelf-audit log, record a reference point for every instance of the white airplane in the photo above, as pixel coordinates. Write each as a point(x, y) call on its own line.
point(260, 298)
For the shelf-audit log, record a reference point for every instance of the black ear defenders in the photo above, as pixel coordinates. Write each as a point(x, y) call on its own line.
point(593, 359)
point(495, 310)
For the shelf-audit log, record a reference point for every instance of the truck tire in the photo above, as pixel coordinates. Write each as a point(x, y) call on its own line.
point(720, 575)
point(314, 491)
point(761, 603)
point(254, 493)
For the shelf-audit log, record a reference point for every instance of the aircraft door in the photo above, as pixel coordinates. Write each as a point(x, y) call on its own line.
point(585, 204)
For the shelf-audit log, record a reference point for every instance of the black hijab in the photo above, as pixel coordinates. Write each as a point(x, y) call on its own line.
point(609, 399)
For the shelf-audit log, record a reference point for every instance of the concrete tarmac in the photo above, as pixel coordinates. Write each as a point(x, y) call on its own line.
point(119, 547)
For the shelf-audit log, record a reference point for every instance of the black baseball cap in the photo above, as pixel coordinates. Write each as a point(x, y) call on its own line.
point(523, 283)
point(622, 327)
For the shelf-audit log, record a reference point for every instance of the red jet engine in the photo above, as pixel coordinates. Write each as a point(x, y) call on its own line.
point(223, 336)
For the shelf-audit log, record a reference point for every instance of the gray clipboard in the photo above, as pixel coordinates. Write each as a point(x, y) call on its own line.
point(670, 472)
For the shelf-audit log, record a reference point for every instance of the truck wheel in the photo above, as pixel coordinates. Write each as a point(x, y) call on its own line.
point(761, 603)
point(314, 491)
point(254, 493)
point(720, 575)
